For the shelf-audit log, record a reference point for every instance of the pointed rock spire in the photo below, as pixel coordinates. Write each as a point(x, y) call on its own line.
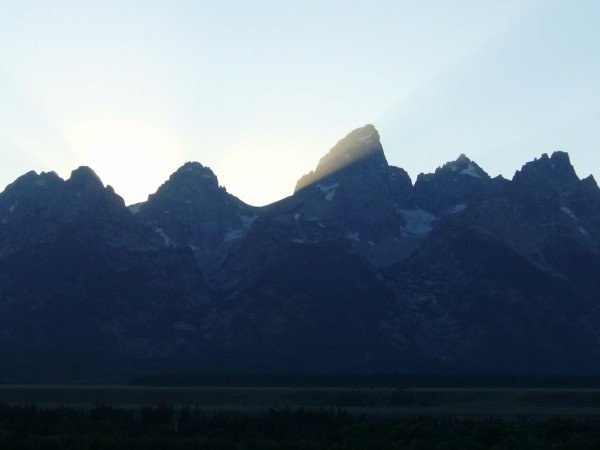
point(358, 147)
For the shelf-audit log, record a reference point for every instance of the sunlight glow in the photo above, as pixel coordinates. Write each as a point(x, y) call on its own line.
point(133, 158)
point(260, 168)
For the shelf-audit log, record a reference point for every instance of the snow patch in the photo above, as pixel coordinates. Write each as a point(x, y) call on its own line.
point(472, 171)
point(353, 236)
point(418, 221)
point(457, 208)
point(296, 216)
point(166, 238)
point(247, 220)
point(583, 231)
point(12, 208)
point(40, 182)
point(328, 190)
point(233, 234)
point(568, 212)
point(135, 209)
point(299, 241)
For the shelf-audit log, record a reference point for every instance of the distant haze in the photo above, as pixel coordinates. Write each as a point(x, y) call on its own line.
point(260, 90)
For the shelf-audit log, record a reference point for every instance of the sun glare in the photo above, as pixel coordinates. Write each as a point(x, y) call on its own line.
point(261, 169)
point(135, 159)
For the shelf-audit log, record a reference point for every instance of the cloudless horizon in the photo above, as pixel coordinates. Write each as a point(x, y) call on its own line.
point(259, 91)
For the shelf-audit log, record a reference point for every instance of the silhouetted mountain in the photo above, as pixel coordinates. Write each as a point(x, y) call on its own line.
point(80, 275)
point(358, 270)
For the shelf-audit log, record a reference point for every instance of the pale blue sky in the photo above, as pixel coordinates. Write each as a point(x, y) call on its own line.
point(260, 90)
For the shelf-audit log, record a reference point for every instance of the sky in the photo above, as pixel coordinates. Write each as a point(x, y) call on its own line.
point(260, 90)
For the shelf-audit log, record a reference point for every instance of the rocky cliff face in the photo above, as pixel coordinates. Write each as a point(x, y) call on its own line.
point(357, 270)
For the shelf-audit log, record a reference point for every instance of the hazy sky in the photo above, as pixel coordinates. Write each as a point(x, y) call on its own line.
point(260, 90)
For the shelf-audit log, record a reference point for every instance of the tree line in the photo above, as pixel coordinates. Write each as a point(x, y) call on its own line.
point(164, 427)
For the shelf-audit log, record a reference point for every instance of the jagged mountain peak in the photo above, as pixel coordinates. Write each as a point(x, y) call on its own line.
point(84, 178)
point(88, 189)
point(360, 146)
point(194, 167)
point(402, 180)
point(590, 181)
point(452, 187)
point(189, 182)
point(196, 173)
point(560, 157)
point(556, 168)
point(462, 165)
point(190, 209)
point(83, 188)
point(33, 179)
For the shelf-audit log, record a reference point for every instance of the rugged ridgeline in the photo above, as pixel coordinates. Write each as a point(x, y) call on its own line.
point(358, 270)
point(80, 276)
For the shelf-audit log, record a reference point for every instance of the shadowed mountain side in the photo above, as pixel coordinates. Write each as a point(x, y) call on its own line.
point(80, 275)
point(477, 305)
point(65, 297)
point(511, 283)
point(541, 214)
point(316, 306)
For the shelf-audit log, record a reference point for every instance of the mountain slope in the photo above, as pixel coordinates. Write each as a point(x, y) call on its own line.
point(315, 307)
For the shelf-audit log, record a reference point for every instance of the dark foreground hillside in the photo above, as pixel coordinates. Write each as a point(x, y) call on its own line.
point(161, 427)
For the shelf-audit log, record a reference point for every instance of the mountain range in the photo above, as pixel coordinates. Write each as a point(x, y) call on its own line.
point(360, 270)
